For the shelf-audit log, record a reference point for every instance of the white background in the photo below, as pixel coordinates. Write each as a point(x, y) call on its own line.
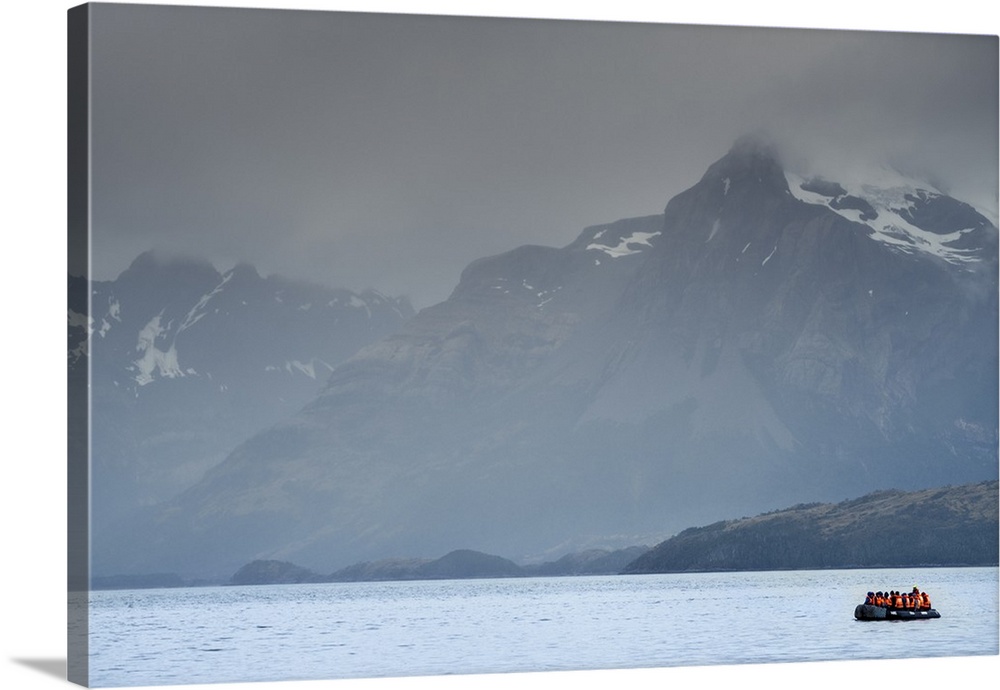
point(32, 349)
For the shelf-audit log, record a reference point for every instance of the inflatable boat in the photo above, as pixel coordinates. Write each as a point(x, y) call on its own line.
point(867, 612)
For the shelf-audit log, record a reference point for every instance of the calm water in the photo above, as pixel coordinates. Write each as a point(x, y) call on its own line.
point(300, 632)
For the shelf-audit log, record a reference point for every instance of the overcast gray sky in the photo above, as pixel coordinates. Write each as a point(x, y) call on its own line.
point(389, 151)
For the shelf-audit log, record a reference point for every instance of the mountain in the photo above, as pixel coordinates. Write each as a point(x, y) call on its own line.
point(456, 565)
point(461, 564)
point(588, 562)
point(768, 339)
point(952, 526)
point(381, 570)
point(187, 362)
point(273, 573)
point(466, 563)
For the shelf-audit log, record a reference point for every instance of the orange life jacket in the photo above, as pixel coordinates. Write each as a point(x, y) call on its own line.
point(906, 601)
point(897, 601)
point(925, 601)
point(871, 600)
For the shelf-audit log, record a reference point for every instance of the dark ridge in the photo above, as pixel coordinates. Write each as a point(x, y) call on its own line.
point(935, 527)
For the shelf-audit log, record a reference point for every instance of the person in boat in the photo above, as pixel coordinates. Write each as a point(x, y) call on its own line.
point(925, 601)
point(897, 600)
point(870, 599)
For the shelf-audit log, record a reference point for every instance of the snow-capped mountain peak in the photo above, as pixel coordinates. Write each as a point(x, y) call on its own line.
point(910, 215)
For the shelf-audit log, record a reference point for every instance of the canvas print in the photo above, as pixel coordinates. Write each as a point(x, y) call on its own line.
point(413, 345)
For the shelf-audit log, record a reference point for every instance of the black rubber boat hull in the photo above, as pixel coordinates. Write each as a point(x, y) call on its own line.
point(867, 612)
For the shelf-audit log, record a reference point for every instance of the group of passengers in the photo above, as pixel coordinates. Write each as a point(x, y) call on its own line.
point(915, 600)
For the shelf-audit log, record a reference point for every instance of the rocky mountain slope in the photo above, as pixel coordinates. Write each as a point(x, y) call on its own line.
point(187, 362)
point(769, 339)
point(952, 526)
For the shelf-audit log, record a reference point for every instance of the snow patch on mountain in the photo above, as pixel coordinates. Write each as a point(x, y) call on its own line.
point(547, 296)
point(308, 368)
point(79, 320)
point(359, 303)
point(154, 360)
point(198, 310)
point(114, 313)
point(885, 208)
point(626, 246)
point(715, 229)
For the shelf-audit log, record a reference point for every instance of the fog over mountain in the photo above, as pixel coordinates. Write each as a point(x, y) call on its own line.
point(768, 339)
point(185, 362)
point(389, 151)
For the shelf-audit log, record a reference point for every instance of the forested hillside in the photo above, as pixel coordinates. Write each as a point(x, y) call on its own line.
point(950, 526)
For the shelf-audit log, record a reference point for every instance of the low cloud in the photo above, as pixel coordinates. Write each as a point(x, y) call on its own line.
point(389, 151)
